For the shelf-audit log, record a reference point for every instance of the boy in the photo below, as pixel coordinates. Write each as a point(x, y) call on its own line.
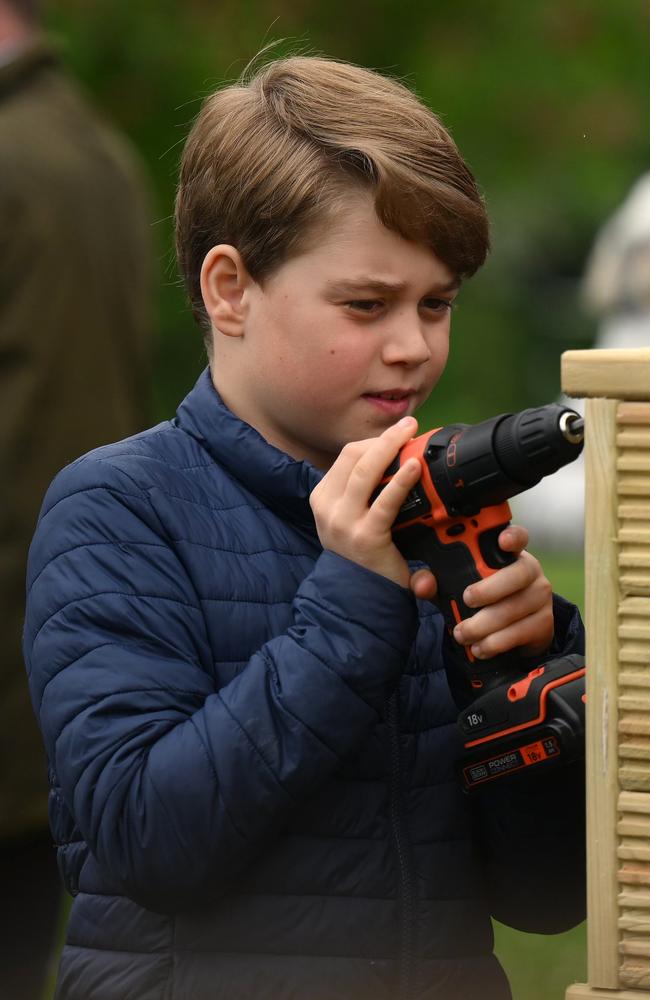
point(240, 683)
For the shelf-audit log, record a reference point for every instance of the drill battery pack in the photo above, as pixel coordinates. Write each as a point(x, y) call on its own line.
point(536, 721)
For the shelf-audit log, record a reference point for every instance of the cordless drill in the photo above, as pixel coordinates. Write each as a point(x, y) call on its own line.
point(514, 717)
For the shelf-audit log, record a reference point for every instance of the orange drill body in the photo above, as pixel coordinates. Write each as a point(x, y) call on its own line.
point(451, 521)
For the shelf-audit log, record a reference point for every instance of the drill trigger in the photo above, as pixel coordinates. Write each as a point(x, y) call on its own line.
point(520, 689)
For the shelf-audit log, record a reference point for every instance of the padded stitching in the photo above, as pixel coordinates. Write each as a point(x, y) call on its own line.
point(114, 593)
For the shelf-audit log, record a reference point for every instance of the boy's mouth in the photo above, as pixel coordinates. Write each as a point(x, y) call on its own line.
point(392, 401)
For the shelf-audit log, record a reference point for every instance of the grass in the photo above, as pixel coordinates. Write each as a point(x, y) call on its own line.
point(538, 967)
point(541, 967)
point(566, 573)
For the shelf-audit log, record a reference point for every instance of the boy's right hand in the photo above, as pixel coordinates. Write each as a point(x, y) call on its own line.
point(348, 526)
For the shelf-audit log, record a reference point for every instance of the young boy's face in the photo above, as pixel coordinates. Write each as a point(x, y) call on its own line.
point(342, 341)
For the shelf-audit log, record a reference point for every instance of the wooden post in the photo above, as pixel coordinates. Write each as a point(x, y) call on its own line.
point(617, 617)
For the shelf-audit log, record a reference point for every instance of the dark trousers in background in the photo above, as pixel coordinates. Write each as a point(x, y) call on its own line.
point(31, 901)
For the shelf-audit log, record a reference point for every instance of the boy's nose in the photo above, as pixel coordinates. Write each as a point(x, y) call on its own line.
point(406, 344)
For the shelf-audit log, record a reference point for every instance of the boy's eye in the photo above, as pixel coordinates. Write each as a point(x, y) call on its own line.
point(364, 305)
point(437, 305)
point(370, 306)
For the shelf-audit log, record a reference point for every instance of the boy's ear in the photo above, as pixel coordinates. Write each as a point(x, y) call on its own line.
point(224, 279)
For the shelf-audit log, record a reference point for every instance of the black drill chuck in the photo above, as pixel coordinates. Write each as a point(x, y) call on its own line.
point(487, 463)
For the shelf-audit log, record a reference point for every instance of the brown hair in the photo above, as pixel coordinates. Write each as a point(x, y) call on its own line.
point(269, 158)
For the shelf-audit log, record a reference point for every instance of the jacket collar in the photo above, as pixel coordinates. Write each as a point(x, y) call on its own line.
point(283, 483)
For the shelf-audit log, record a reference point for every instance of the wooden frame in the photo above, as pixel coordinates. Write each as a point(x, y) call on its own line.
point(617, 616)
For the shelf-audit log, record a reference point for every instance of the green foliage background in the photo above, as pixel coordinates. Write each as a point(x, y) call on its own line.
point(548, 100)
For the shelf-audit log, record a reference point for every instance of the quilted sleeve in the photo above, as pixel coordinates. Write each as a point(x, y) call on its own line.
point(174, 784)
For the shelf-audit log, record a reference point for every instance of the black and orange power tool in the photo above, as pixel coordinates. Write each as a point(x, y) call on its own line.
point(451, 521)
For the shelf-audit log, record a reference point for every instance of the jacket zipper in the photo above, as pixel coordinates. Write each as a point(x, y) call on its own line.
point(404, 862)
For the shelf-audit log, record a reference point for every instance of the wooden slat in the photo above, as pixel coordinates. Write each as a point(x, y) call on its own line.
point(633, 413)
point(601, 604)
point(633, 654)
point(616, 374)
point(634, 511)
point(634, 827)
point(633, 486)
point(581, 991)
point(629, 802)
point(638, 607)
point(634, 899)
point(636, 535)
point(633, 461)
point(634, 777)
point(636, 974)
point(635, 923)
point(629, 876)
point(634, 945)
point(633, 437)
point(634, 678)
point(633, 725)
point(635, 557)
point(635, 582)
point(634, 750)
point(632, 716)
point(634, 630)
point(634, 852)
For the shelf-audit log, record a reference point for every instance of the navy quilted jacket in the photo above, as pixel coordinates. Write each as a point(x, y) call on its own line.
point(252, 745)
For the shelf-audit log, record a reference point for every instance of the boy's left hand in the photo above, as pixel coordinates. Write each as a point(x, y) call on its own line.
point(516, 604)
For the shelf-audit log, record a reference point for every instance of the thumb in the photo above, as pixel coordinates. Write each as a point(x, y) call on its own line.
point(514, 538)
point(423, 584)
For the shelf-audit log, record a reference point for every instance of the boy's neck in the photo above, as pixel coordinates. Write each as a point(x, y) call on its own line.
point(321, 461)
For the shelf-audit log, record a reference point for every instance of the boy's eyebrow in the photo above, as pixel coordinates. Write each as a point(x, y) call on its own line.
point(380, 285)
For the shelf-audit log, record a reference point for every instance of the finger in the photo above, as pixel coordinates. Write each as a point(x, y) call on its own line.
point(423, 584)
point(532, 635)
point(387, 505)
point(511, 609)
point(335, 480)
point(368, 472)
point(518, 575)
point(514, 538)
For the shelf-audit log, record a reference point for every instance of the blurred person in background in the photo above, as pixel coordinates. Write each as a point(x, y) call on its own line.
point(616, 287)
point(616, 291)
point(75, 323)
